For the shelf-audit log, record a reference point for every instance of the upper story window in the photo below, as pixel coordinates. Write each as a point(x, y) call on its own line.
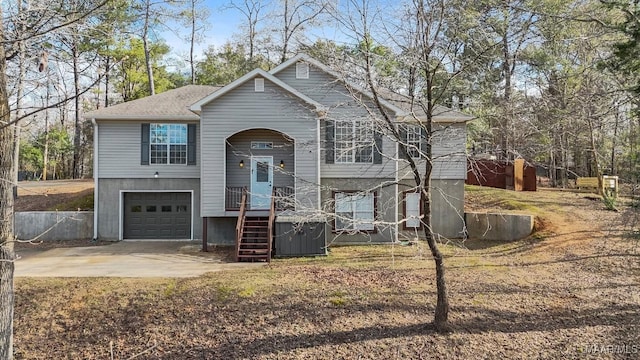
point(168, 143)
point(302, 70)
point(353, 142)
point(414, 140)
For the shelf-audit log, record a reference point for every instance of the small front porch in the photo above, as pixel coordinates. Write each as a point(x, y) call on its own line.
point(284, 199)
point(260, 162)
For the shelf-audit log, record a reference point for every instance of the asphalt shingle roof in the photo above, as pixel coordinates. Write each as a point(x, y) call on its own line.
point(172, 104)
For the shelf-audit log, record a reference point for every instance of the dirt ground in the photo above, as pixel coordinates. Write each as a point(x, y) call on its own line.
point(571, 291)
point(45, 195)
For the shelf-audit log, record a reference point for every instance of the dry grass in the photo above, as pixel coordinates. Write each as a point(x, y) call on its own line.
point(548, 297)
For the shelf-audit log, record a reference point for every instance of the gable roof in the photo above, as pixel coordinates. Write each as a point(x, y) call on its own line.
point(169, 105)
point(326, 69)
point(415, 111)
point(197, 106)
point(397, 103)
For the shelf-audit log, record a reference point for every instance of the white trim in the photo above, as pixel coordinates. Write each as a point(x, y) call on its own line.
point(168, 144)
point(155, 118)
point(302, 70)
point(197, 107)
point(224, 162)
point(436, 119)
point(256, 128)
point(251, 169)
point(96, 176)
point(268, 145)
point(319, 161)
point(295, 175)
point(258, 84)
point(121, 207)
point(397, 189)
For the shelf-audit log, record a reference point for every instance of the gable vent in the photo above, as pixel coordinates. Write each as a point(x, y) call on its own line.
point(259, 84)
point(302, 70)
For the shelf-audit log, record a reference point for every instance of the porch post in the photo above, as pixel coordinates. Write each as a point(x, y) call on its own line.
point(205, 223)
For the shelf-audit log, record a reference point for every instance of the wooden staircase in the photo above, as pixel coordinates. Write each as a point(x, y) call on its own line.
point(254, 234)
point(254, 244)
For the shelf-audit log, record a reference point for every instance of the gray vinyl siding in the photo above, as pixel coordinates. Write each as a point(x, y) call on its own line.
point(447, 204)
point(109, 205)
point(242, 109)
point(119, 153)
point(239, 148)
point(448, 153)
point(384, 209)
point(332, 93)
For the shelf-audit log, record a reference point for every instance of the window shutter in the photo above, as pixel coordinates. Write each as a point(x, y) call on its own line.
point(329, 149)
point(144, 144)
point(402, 132)
point(191, 144)
point(424, 141)
point(377, 151)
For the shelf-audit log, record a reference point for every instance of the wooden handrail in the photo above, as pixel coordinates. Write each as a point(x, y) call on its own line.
point(272, 216)
point(240, 222)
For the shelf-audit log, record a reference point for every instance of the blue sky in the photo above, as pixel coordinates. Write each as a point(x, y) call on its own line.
point(224, 24)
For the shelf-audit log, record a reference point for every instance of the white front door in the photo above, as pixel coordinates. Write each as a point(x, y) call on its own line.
point(261, 182)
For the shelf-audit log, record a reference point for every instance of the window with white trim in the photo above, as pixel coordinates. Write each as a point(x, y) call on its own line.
point(414, 140)
point(259, 84)
point(353, 142)
point(261, 145)
point(302, 70)
point(354, 211)
point(412, 210)
point(168, 143)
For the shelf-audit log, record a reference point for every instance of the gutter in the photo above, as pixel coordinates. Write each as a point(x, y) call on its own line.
point(95, 179)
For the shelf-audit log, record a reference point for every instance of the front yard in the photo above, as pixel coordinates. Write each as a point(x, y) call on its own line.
point(571, 291)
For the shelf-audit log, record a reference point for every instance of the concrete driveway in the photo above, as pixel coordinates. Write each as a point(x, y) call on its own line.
point(124, 259)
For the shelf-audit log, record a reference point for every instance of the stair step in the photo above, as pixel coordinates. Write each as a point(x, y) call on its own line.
point(254, 252)
point(264, 256)
point(259, 247)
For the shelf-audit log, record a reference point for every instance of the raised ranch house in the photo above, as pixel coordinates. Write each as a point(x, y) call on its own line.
point(296, 152)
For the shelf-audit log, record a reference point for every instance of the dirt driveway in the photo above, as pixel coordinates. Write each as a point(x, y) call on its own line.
point(124, 259)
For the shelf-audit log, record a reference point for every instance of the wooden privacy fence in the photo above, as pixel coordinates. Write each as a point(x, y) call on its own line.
point(516, 175)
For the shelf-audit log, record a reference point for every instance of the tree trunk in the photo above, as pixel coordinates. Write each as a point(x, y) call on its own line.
point(106, 82)
point(8, 169)
point(613, 145)
point(77, 130)
point(193, 39)
point(441, 318)
point(147, 51)
point(285, 32)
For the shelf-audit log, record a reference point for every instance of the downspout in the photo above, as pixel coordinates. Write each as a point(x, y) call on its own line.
point(397, 188)
point(95, 179)
point(319, 191)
